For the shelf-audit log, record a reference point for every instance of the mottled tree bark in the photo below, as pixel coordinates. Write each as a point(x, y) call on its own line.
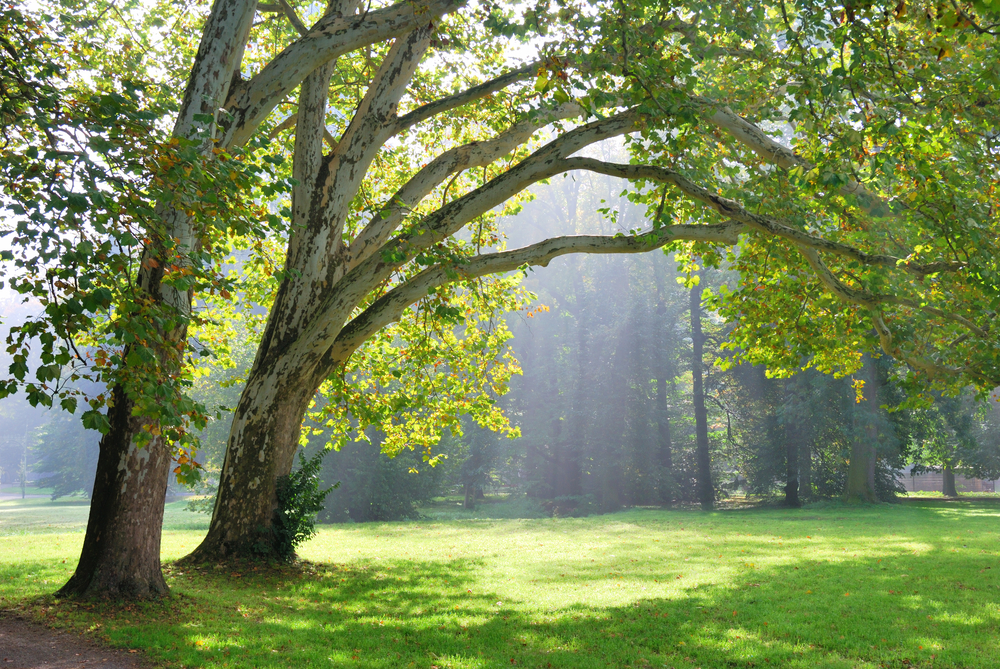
point(288, 370)
point(262, 445)
point(706, 489)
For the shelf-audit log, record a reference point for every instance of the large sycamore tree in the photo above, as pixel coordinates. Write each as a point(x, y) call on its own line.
point(842, 157)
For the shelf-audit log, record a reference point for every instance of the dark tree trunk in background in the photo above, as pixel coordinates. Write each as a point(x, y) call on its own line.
point(121, 550)
point(792, 473)
point(664, 442)
point(664, 445)
point(551, 454)
point(706, 490)
point(791, 434)
point(805, 470)
point(948, 482)
point(861, 469)
point(569, 465)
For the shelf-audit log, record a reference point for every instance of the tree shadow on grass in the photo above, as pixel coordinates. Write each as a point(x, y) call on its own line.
point(816, 613)
point(30, 578)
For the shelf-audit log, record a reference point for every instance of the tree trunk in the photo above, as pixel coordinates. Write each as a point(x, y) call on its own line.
point(948, 482)
point(569, 466)
point(470, 498)
point(706, 491)
point(792, 469)
point(791, 433)
point(262, 444)
point(805, 471)
point(664, 441)
point(860, 486)
point(121, 550)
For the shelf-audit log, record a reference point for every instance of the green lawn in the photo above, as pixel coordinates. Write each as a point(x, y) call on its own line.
point(909, 585)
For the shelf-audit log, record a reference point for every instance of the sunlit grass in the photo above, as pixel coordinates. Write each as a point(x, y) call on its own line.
point(985, 495)
point(889, 586)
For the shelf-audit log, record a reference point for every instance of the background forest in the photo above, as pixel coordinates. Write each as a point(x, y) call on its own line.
point(605, 404)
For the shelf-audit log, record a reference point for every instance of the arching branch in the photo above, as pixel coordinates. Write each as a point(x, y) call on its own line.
point(766, 147)
point(733, 209)
point(351, 289)
point(393, 304)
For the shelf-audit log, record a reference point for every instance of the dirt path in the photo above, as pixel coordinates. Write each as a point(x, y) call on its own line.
point(25, 645)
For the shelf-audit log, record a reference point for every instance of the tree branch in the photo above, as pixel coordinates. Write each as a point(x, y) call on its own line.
point(809, 246)
point(479, 92)
point(293, 18)
point(453, 161)
point(871, 302)
point(347, 165)
point(940, 313)
point(291, 121)
point(733, 209)
point(352, 288)
point(391, 306)
point(775, 153)
point(331, 37)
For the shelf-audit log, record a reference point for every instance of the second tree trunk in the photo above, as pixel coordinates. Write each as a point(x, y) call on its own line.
point(706, 490)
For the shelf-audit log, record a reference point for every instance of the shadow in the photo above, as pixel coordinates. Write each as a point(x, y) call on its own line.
point(31, 578)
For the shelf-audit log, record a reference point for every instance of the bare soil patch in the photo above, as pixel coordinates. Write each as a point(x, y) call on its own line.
point(25, 645)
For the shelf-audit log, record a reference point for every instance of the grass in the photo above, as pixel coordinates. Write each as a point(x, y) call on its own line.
point(908, 585)
point(961, 494)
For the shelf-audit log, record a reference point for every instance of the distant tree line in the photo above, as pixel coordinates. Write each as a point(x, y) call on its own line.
point(607, 404)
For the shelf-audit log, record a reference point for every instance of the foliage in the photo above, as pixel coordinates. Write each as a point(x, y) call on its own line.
point(299, 500)
point(87, 178)
point(418, 378)
point(897, 100)
point(957, 432)
point(822, 417)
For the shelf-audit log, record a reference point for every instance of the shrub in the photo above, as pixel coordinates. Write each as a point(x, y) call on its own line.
point(299, 500)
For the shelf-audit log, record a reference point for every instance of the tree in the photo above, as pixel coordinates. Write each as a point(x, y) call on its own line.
point(954, 434)
point(840, 233)
point(67, 454)
point(147, 408)
point(861, 465)
point(706, 489)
